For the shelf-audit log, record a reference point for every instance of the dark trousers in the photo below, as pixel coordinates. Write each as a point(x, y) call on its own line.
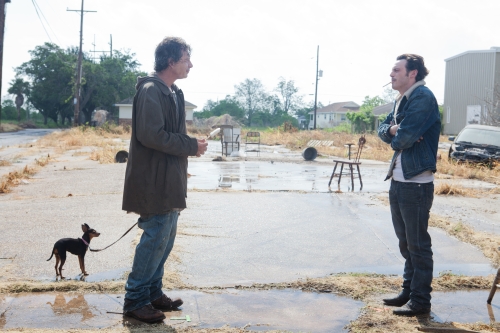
point(410, 207)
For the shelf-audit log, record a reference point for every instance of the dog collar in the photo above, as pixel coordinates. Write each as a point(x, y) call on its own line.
point(84, 241)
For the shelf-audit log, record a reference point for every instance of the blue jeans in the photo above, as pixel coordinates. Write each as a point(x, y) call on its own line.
point(144, 282)
point(410, 207)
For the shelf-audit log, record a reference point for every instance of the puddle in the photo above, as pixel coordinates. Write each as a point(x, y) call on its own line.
point(288, 310)
point(278, 176)
point(465, 307)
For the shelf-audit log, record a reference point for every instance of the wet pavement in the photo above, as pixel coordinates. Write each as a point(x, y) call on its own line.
point(245, 237)
point(249, 220)
point(289, 310)
point(279, 176)
point(462, 306)
point(23, 136)
point(55, 202)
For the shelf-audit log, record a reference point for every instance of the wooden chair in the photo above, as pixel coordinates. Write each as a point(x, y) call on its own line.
point(350, 164)
point(494, 287)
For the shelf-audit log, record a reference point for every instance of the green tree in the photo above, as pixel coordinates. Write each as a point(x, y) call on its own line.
point(107, 82)
point(19, 88)
point(9, 111)
point(227, 105)
point(51, 72)
point(364, 120)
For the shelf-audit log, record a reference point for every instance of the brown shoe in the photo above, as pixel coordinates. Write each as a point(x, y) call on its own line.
point(166, 304)
point(147, 314)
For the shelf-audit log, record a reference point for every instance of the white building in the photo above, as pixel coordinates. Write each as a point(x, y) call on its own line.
point(125, 111)
point(332, 115)
point(472, 88)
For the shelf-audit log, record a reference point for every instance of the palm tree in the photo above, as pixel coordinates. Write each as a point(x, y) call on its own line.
point(19, 87)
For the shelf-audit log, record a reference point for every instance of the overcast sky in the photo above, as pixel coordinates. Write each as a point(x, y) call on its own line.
point(233, 40)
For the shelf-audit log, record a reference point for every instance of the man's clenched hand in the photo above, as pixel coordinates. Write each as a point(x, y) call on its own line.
point(202, 147)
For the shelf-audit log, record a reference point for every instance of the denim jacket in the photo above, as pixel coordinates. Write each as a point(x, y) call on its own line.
point(417, 117)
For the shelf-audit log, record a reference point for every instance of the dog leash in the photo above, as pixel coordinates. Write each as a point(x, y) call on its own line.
point(115, 241)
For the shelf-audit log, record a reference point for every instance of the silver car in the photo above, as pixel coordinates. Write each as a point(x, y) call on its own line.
point(476, 143)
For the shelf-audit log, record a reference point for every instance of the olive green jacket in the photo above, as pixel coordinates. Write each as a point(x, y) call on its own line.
point(156, 175)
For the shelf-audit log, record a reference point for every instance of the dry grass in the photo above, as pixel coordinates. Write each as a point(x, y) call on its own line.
point(469, 171)
point(5, 127)
point(363, 286)
point(106, 154)
point(84, 137)
point(103, 139)
point(14, 178)
point(487, 243)
point(374, 148)
point(454, 189)
point(5, 163)
point(376, 318)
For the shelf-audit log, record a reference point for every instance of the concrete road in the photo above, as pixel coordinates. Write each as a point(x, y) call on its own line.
point(288, 225)
point(24, 136)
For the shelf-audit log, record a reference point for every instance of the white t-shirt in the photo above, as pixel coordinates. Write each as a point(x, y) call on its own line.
point(397, 174)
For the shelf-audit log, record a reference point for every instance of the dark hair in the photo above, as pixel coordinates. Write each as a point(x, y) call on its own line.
point(169, 51)
point(414, 61)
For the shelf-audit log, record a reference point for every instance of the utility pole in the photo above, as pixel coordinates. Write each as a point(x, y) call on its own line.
point(2, 30)
point(111, 46)
point(94, 57)
point(316, 92)
point(79, 66)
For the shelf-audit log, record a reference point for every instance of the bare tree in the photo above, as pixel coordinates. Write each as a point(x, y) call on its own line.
point(389, 94)
point(251, 95)
point(491, 113)
point(288, 95)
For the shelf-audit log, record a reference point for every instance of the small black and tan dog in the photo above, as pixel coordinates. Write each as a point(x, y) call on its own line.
point(76, 246)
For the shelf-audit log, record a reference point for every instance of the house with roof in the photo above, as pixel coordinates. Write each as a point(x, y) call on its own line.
point(125, 111)
point(381, 110)
point(332, 115)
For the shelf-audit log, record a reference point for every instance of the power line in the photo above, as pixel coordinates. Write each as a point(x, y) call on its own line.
point(37, 8)
point(33, 1)
point(53, 32)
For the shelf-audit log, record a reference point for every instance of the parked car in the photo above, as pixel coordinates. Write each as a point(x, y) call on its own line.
point(476, 143)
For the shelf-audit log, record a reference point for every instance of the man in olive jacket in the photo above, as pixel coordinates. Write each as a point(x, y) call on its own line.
point(156, 176)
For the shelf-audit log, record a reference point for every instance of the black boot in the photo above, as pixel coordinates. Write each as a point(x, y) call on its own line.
point(412, 309)
point(399, 300)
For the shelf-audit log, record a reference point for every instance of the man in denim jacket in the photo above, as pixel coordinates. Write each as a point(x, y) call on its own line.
point(412, 129)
